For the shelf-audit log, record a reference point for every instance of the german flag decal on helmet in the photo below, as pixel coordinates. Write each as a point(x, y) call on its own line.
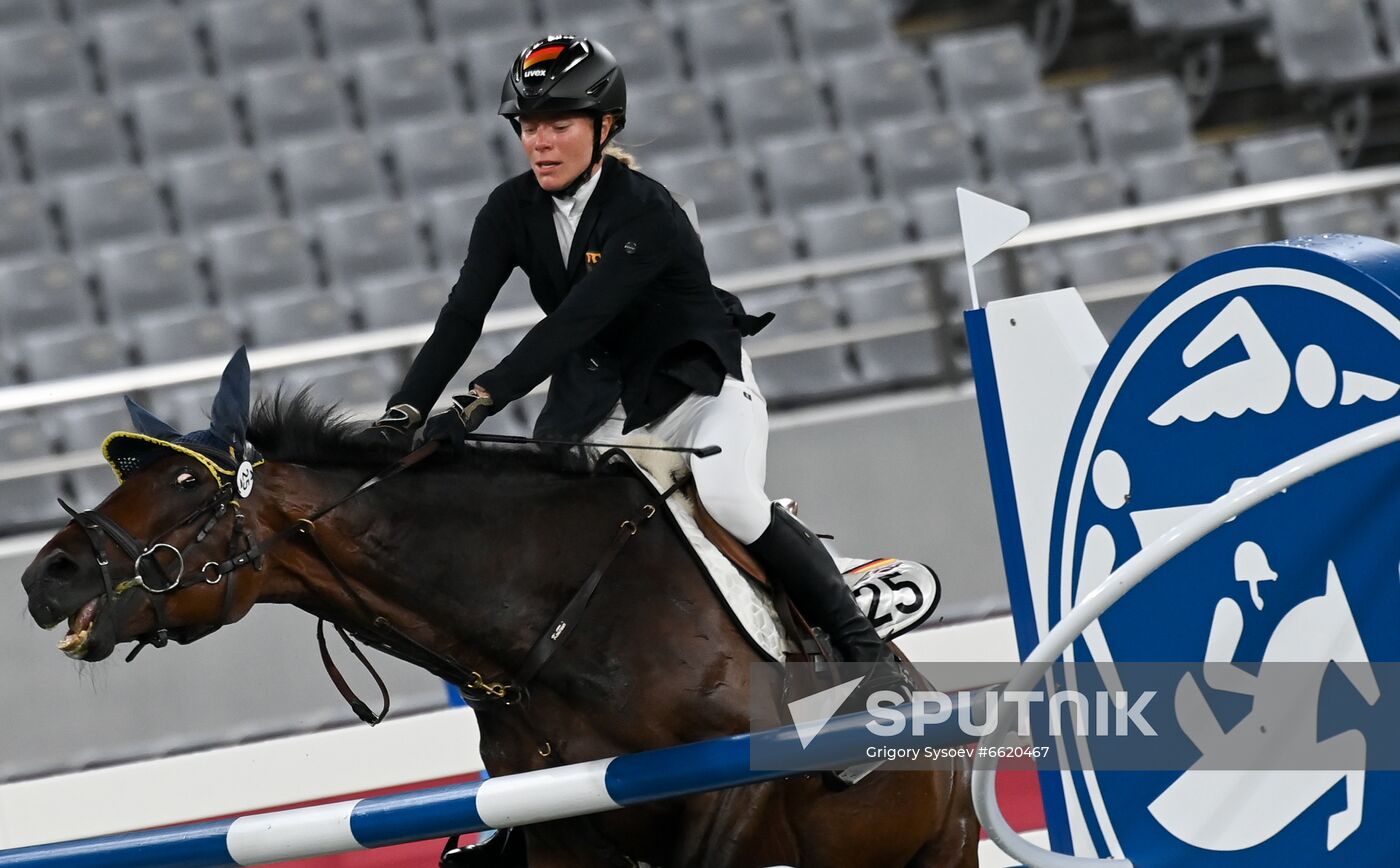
point(543, 53)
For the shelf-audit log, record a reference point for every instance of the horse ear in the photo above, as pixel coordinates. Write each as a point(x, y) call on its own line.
point(228, 418)
point(145, 422)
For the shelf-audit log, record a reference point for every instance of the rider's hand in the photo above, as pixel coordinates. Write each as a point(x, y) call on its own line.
point(396, 426)
point(467, 413)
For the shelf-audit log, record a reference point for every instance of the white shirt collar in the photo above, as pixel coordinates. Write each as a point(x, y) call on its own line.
point(572, 206)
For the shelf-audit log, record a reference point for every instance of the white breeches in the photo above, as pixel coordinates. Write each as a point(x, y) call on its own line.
point(729, 484)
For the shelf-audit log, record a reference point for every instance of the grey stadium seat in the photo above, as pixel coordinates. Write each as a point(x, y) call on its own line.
point(933, 153)
point(294, 101)
point(487, 57)
point(117, 206)
point(19, 14)
point(299, 316)
point(994, 281)
point(1346, 214)
point(405, 84)
point(347, 383)
point(1070, 192)
point(1280, 156)
point(83, 427)
point(1029, 137)
point(1202, 169)
point(1120, 256)
point(184, 118)
point(569, 14)
point(826, 28)
point(187, 334)
point(268, 258)
point(40, 295)
point(41, 64)
point(817, 170)
point(1200, 238)
point(718, 181)
point(672, 118)
point(342, 170)
point(1133, 118)
point(351, 26)
point(1326, 42)
point(642, 44)
point(774, 101)
point(148, 277)
point(451, 216)
point(78, 135)
point(73, 352)
point(852, 228)
point(732, 36)
point(396, 301)
point(32, 499)
point(882, 87)
point(221, 189)
point(24, 226)
point(891, 296)
point(1154, 16)
point(146, 47)
point(91, 485)
point(435, 155)
point(99, 8)
point(743, 245)
point(458, 19)
point(250, 33)
point(802, 373)
point(982, 68)
point(370, 242)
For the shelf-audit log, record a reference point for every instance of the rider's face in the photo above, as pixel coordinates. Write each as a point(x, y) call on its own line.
point(558, 146)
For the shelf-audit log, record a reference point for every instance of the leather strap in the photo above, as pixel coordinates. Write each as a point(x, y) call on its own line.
point(356, 704)
point(568, 618)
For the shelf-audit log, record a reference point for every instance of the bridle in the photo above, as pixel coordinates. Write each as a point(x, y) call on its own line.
point(475, 688)
point(98, 528)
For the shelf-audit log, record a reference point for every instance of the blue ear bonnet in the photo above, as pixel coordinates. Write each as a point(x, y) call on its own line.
point(221, 448)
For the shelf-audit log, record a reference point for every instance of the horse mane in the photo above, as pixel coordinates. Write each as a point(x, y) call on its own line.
point(296, 428)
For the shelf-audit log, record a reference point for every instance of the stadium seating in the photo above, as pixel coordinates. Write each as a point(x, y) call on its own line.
point(184, 172)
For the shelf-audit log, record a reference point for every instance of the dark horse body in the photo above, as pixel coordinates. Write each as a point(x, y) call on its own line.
point(471, 556)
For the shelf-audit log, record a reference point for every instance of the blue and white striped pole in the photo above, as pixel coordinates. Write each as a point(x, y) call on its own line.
point(513, 800)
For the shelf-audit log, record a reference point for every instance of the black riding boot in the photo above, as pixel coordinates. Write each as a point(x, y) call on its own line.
point(797, 558)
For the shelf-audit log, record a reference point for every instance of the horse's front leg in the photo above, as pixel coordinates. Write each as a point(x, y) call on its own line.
point(743, 827)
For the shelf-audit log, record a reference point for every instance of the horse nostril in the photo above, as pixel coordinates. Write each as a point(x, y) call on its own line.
point(59, 565)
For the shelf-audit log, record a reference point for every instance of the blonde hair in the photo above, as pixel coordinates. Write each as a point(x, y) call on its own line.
point(622, 155)
point(618, 152)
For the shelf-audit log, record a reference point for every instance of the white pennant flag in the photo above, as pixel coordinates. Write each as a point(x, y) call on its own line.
point(986, 225)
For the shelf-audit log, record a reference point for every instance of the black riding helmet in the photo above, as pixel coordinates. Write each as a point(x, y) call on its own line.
point(567, 73)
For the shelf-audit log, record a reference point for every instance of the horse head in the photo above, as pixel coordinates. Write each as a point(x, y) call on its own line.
point(151, 561)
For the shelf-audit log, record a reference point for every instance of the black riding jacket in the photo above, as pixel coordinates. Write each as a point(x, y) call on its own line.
point(632, 315)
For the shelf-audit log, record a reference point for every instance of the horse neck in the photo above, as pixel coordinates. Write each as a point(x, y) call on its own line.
point(465, 566)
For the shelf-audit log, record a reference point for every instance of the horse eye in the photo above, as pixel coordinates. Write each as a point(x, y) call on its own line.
point(186, 479)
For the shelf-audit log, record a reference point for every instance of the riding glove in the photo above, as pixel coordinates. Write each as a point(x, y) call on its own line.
point(452, 426)
point(397, 424)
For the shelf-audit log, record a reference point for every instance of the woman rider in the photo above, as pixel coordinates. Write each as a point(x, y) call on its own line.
point(635, 334)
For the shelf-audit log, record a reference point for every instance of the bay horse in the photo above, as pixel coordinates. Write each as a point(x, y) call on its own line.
point(458, 564)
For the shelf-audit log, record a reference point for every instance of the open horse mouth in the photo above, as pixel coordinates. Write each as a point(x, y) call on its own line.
point(75, 642)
